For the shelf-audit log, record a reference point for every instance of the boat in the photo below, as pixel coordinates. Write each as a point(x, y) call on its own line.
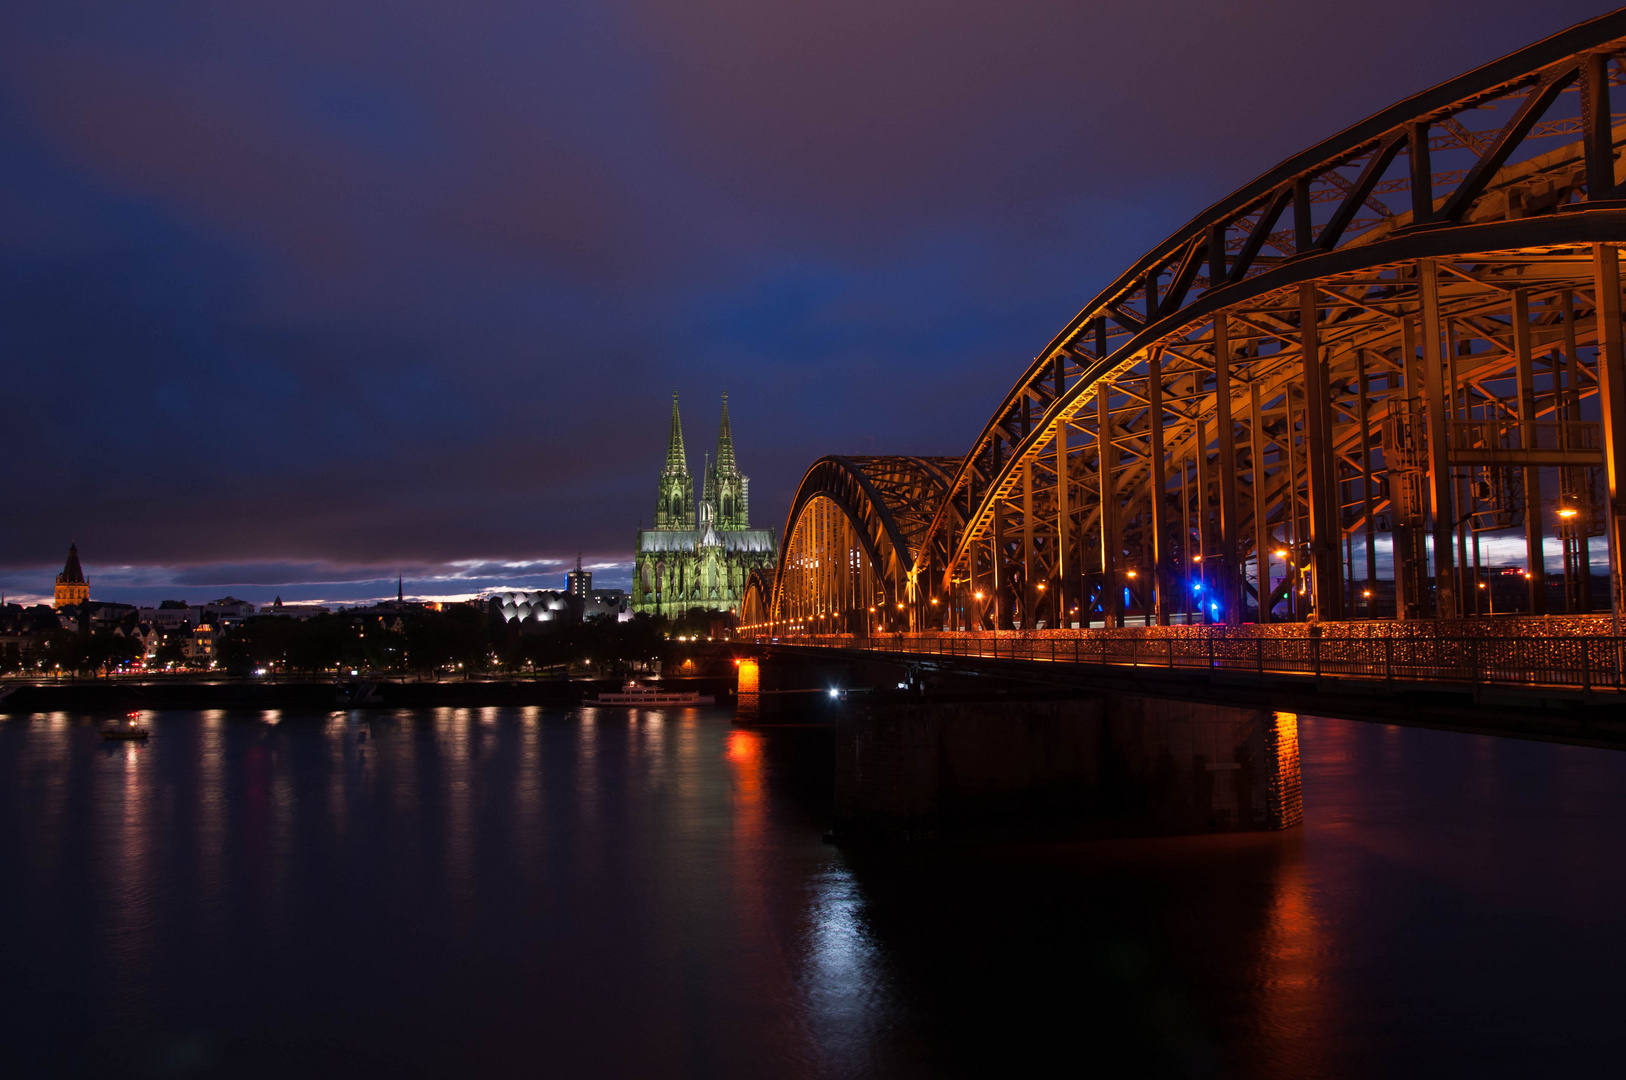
point(127, 730)
point(635, 695)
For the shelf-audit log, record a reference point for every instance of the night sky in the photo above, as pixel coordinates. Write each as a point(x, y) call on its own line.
point(298, 296)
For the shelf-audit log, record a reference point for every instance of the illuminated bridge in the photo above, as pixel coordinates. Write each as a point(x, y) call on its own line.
point(1364, 416)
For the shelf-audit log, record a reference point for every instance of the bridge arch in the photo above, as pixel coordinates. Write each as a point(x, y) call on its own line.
point(850, 542)
point(757, 600)
point(1347, 389)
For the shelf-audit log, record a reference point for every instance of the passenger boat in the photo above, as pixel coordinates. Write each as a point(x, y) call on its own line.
point(636, 695)
point(127, 730)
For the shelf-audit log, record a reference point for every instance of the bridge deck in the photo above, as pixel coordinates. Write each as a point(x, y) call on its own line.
point(1588, 664)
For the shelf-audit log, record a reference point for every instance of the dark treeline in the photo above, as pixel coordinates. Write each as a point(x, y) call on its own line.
point(457, 639)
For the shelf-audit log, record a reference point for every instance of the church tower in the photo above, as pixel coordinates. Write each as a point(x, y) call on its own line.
point(699, 555)
point(71, 586)
point(674, 504)
point(727, 490)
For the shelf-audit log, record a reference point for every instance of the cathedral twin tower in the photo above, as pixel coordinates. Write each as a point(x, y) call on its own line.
point(699, 555)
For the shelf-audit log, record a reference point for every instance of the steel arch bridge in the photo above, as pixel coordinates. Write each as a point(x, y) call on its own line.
point(851, 544)
point(1363, 386)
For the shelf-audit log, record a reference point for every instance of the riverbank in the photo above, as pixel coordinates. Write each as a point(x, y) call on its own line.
point(118, 694)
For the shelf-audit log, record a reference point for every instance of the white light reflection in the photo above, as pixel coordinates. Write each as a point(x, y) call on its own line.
point(455, 746)
point(845, 989)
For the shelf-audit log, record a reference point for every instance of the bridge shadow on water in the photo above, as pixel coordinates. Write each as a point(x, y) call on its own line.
point(1137, 956)
point(1442, 912)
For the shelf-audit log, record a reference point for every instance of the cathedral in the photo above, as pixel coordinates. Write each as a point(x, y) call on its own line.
point(699, 555)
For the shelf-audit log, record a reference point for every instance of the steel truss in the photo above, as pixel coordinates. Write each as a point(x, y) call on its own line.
point(851, 541)
point(1337, 393)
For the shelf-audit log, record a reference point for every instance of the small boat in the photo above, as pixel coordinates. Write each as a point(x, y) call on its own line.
point(127, 730)
point(635, 695)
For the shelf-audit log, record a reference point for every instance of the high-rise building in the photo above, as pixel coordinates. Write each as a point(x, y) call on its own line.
point(579, 582)
point(699, 557)
point(71, 586)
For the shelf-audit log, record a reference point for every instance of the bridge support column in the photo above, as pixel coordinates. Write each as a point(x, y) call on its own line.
point(1112, 586)
point(1116, 765)
point(1535, 553)
point(1064, 542)
point(1439, 458)
point(1160, 507)
point(1262, 543)
point(1612, 393)
point(1230, 577)
point(1325, 528)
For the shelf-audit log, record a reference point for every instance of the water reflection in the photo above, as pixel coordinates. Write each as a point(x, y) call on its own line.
point(609, 893)
point(127, 855)
point(844, 991)
point(1292, 988)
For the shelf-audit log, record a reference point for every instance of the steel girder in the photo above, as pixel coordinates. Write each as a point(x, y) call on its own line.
point(1305, 365)
point(851, 536)
point(758, 598)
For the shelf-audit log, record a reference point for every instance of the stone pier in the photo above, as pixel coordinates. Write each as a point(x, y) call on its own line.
point(914, 767)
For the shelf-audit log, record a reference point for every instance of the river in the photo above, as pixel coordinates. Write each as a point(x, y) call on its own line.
point(594, 893)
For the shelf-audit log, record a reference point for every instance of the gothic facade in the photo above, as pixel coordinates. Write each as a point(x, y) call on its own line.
point(699, 554)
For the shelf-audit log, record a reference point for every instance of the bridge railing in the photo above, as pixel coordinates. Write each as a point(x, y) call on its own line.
point(1589, 663)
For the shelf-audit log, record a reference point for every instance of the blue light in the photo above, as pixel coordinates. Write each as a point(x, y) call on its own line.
point(1197, 587)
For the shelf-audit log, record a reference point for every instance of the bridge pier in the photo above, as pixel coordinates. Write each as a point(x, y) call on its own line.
point(984, 766)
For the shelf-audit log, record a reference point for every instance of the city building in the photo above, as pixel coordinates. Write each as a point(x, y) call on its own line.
point(71, 586)
point(699, 555)
point(200, 647)
point(292, 611)
point(170, 615)
point(539, 606)
point(227, 613)
point(579, 582)
point(613, 602)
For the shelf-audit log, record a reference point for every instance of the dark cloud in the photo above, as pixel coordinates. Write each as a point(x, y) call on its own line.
point(303, 294)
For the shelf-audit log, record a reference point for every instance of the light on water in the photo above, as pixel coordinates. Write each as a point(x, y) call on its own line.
point(492, 892)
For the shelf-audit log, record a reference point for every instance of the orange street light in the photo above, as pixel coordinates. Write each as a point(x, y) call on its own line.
point(1131, 573)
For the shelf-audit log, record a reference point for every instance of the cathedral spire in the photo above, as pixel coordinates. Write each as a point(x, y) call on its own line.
point(674, 503)
point(677, 459)
point(725, 445)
